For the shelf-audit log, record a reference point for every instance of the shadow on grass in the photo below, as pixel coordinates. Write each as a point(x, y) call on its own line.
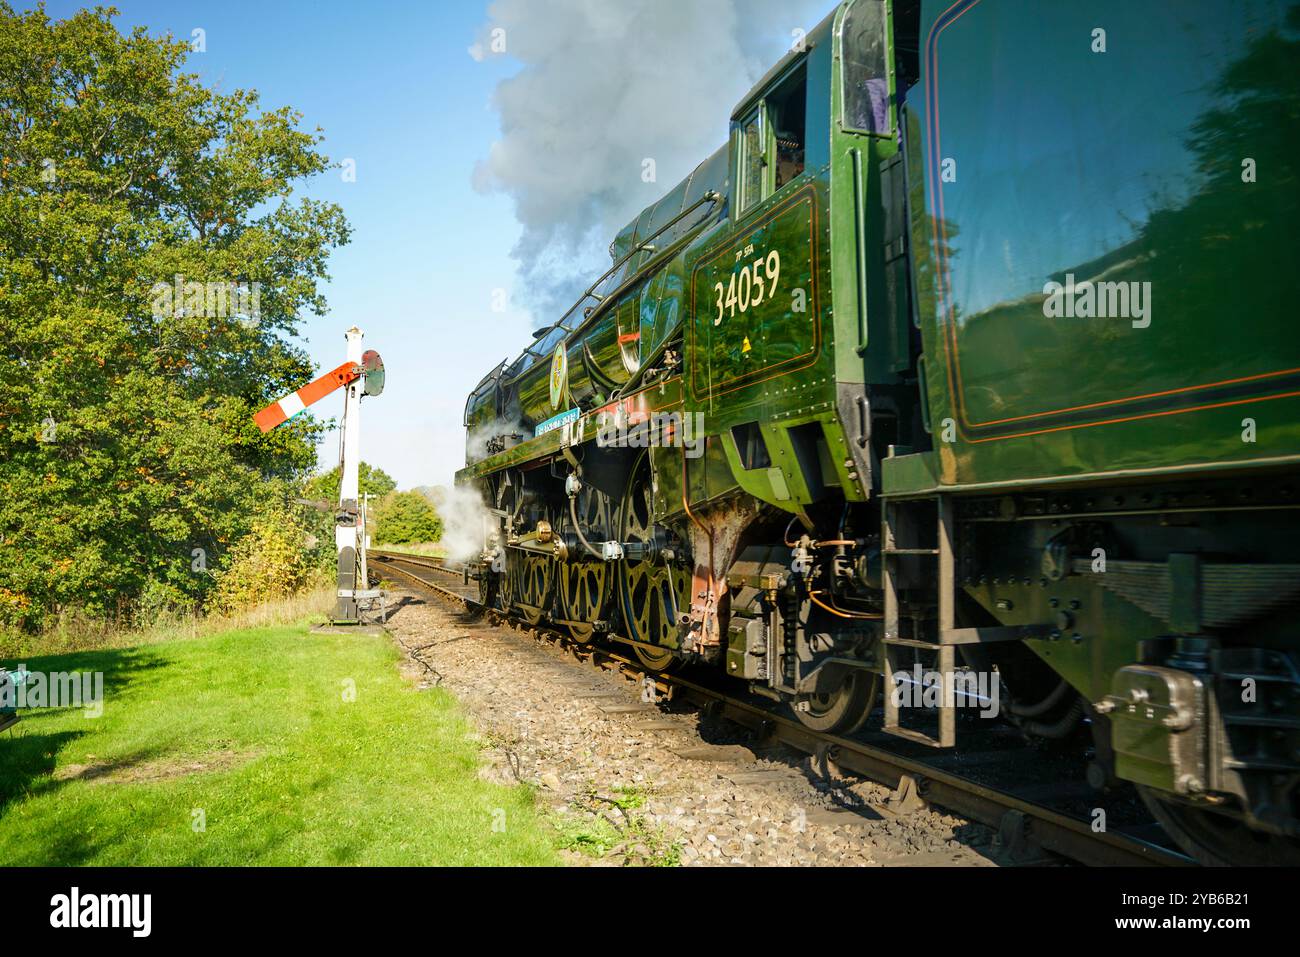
point(68, 847)
point(27, 755)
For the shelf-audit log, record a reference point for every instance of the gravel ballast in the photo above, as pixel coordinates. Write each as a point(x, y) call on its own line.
point(629, 781)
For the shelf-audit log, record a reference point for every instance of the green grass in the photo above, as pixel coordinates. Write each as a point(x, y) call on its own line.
point(593, 836)
point(251, 727)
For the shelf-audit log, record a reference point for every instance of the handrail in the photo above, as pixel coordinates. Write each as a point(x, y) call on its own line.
point(710, 196)
point(604, 302)
point(860, 243)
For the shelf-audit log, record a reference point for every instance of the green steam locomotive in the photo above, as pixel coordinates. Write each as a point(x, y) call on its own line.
point(962, 371)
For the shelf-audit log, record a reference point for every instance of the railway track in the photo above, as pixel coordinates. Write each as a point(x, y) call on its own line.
point(916, 780)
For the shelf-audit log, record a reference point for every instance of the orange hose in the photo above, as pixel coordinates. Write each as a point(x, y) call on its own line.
point(843, 614)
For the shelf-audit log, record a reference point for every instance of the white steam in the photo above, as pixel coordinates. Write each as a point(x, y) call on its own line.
point(602, 88)
point(465, 521)
point(477, 441)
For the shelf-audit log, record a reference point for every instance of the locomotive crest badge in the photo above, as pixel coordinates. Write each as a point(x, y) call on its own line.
point(559, 373)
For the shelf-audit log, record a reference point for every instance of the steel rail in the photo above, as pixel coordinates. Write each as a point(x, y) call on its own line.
point(1049, 829)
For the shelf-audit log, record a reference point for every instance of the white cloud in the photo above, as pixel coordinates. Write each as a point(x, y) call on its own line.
point(601, 87)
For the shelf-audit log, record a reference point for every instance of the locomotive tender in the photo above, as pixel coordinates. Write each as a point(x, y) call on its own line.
point(967, 356)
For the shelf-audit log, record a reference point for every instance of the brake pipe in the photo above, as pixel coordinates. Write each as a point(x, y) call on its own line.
point(572, 486)
point(812, 595)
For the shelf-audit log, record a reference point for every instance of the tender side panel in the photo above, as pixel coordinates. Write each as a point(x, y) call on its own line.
point(1108, 236)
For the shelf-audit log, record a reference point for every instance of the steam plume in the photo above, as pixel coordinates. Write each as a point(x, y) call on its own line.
point(602, 87)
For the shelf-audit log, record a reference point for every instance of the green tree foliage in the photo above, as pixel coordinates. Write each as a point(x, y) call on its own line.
point(126, 434)
point(272, 561)
point(405, 517)
point(373, 481)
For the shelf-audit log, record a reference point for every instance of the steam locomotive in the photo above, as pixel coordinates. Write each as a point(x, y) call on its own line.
point(963, 365)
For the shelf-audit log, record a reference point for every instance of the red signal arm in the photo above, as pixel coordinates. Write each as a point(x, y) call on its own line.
point(279, 412)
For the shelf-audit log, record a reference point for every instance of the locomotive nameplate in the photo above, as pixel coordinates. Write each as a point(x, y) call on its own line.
point(556, 421)
point(754, 302)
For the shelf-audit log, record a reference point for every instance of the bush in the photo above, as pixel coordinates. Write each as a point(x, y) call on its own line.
point(270, 563)
point(15, 607)
point(404, 517)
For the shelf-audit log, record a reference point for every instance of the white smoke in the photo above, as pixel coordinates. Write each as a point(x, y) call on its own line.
point(477, 441)
point(465, 519)
point(602, 88)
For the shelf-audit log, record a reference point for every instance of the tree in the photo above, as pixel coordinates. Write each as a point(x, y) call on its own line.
point(324, 488)
point(154, 267)
point(405, 517)
point(373, 481)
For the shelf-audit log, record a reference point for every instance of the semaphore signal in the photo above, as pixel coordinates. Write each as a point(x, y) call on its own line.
point(361, 375)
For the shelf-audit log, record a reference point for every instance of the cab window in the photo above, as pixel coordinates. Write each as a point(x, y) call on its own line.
point(773, 139)
point(865, 70)
point(788, 110)
point(753, 159)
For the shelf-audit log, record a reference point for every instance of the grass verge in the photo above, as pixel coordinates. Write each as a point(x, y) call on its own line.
point(74, 631)
point(611, 825)
point(256, 746)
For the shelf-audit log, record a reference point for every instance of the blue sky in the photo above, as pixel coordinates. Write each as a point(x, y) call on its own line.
point(397, 92)
point(394, 88)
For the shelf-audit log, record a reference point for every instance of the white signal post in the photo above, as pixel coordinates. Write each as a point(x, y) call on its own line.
point(349, 528)
point(362, 374)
